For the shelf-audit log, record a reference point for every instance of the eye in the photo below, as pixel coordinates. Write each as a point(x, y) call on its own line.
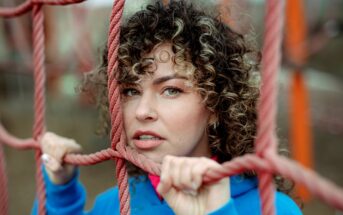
point(129, 92)
point(171, 91)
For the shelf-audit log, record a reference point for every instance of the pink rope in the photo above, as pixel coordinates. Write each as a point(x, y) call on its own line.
point(114, 105)
point(266, 161)
point(19, 10)
point(17, 143)
point(325, 190)
point(39, 97)
point(57, 2)
point(27, 5)
point(3, 183)
point(266, 143)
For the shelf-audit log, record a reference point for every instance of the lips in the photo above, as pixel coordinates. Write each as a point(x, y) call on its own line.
point(147, 140)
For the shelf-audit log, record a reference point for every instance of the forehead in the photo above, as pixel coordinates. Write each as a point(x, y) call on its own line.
point(164, 60)
point(161, 60)
point(162, 48)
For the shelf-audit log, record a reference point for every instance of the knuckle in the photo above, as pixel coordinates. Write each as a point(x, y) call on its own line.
point(204, 159)
point(47, 134)
point(184, 181)
point(173, 161)
point(167, 158)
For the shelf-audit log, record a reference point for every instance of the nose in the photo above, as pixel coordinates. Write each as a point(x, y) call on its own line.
point(145, 110)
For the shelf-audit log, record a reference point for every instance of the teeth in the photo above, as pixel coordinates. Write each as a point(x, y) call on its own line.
point(148, 137)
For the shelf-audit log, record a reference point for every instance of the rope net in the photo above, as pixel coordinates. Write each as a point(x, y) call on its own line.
point(265, 161)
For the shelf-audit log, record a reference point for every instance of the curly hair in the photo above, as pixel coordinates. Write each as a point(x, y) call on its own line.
point(223, 72)
point(223, 69)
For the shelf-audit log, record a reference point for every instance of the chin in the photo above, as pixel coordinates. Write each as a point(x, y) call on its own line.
point(152, 156)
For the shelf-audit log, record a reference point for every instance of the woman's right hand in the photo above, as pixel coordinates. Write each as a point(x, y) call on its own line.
point(54, 149)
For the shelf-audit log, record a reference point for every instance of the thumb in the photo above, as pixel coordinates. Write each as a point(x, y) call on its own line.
point(168, 194)
point(51, 163)
point(72, 146)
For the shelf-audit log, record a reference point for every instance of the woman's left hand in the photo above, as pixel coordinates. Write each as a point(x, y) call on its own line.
point(182, 187)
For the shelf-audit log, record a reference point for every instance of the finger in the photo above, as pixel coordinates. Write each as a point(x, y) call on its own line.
point(165, 179)
point(73, 146)
point(200, 169)
point(175, 172)
point(69, 145)
point(169, 196)
point(51, 147)
point(197, 174)
point(186, 174)
point(58, 146)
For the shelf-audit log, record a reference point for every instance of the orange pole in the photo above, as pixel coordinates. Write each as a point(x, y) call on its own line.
point(296, 32)
point(296, 51)
point(300, 132)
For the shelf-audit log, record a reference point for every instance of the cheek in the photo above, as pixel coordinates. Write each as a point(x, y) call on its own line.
point(187, 120)
point(127, 110)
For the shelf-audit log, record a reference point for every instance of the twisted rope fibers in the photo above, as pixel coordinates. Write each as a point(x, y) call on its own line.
point(325, 190)
point(39, 97)
point(3, 183)
point(114, 105)
point(266, 142)
point(28, 4)
point(266, 162)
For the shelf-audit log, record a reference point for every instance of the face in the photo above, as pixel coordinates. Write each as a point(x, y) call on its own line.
point(163, 114)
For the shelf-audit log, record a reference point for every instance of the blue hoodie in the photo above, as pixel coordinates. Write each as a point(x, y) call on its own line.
point(70, 198)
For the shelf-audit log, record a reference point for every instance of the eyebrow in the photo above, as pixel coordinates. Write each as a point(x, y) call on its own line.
point(160, 80)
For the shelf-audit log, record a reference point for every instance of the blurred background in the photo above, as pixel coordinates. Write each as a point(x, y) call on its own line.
point(310, 85)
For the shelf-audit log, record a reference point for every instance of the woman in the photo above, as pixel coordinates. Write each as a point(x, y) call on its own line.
point(189, 102)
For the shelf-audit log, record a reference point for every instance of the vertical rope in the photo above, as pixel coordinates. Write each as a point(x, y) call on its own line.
point(266, 140)
point(3, 184)
point(39, 96)
point(113, 46)
point(114, 105)
point(122, 178)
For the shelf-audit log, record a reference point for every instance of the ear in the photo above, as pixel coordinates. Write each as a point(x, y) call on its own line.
point(213, 120)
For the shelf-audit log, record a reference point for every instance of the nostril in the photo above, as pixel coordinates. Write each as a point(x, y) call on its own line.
point(145, 108)
point(147, 114)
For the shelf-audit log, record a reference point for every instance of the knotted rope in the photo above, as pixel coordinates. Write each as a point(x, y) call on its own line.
point(266, 162)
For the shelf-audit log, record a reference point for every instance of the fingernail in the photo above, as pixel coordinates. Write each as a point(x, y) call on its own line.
point(51, 162)
point(45, 158)
point(54, 165)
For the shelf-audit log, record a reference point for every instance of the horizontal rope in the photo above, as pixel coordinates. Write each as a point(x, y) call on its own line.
point(26, 6)
point(16, 11)
point(17, 143)
point(325, 190)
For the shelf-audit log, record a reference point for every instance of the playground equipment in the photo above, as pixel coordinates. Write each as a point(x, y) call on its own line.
point(265, 162)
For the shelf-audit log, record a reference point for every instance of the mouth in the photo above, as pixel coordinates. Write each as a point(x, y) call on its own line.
point(147, 140)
